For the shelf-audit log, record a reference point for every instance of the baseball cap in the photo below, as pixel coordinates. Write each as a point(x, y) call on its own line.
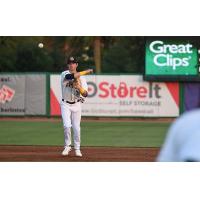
point(71, 59)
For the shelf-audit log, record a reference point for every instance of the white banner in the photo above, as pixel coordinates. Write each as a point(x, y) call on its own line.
point(22, 94)
point(123, 95)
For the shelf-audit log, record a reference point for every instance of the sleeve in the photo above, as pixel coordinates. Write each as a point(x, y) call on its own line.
point(84, 83)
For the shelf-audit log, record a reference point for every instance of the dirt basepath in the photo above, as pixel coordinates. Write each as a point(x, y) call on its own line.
point(90, 154)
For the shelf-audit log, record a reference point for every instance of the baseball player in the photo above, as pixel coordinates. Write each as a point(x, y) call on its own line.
point(74, 90)
point(182, 142)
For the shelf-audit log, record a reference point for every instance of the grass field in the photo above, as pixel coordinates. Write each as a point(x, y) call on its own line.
point(116, 134)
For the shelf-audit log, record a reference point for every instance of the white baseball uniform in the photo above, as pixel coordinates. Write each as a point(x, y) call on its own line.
point(182, 142)
point(71, 108)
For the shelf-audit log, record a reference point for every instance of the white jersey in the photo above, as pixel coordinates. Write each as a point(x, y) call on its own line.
point(69, 93)
point(182, 142)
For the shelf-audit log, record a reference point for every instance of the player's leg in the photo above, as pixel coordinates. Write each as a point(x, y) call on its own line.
point(76, 120)
point(66, 117)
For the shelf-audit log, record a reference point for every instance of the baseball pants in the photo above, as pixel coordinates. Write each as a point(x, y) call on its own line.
point(71, 116)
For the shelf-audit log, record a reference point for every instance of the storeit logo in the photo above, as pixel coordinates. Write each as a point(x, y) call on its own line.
point(106, 89)
point(6, 94)
point(171, 55)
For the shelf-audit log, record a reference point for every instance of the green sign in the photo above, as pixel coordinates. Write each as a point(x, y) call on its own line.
point(170, 57)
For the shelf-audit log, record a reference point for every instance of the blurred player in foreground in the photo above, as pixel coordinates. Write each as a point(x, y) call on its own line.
point(74, 90)
point(183, 139)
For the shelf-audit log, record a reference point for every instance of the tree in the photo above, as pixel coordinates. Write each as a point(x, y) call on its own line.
point(97, 53)
point(125, 55)
point(105, 53)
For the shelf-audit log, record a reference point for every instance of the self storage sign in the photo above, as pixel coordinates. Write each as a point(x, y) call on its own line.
point(122, 95)
point(170, 57)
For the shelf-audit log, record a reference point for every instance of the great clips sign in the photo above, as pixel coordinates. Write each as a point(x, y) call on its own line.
point(123, 95)
point(171, 58)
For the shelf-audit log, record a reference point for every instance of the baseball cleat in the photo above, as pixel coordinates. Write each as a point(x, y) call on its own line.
point(78, 153)
point(66, 151)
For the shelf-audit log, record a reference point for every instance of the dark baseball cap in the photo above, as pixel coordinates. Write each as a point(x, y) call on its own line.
point(71, 59)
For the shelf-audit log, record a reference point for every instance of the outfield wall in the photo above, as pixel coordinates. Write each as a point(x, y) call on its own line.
point(33, 94)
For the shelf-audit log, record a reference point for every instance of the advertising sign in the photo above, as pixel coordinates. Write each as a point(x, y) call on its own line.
point(22, 95)
point(12, 95)
point(173, 59)
point(123, 95)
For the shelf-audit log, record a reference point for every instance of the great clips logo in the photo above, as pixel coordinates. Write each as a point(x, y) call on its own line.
point(171, 55)
point(6, 94)
point(106, 89)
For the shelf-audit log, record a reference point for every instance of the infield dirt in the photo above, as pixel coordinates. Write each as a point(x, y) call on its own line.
point(90, 154)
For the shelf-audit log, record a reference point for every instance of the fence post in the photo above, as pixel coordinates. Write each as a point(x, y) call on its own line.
point(47, 94)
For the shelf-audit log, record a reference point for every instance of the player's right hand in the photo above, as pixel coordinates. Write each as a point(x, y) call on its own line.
point(86, 72)
point(89, 71)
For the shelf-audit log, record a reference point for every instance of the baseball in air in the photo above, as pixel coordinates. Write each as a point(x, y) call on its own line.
point(40, 45)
